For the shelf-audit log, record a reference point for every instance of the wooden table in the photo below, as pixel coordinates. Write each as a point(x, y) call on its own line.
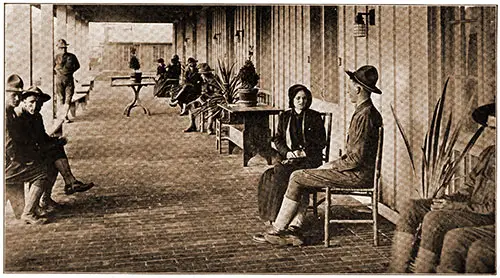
point(136, 87)
point(253, 136)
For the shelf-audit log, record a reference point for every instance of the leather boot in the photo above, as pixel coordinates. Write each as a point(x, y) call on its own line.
point(29, 214)
point(402, 244)
point(426, 261)
point(287, 212)
point(278, 234)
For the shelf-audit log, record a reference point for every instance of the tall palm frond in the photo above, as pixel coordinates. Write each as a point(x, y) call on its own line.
point(438, 165)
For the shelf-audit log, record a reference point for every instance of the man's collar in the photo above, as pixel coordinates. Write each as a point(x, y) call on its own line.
point(367, 102)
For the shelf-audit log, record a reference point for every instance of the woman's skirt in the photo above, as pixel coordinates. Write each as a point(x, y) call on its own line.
point(272, 187)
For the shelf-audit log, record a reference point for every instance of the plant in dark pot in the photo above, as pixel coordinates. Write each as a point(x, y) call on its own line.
point(134, 64)
point(248, 78)
point(439, 164)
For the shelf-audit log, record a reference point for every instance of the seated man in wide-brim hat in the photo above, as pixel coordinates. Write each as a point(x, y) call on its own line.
point(54, 155)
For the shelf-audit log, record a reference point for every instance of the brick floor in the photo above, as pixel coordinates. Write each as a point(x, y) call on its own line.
point(165, 202)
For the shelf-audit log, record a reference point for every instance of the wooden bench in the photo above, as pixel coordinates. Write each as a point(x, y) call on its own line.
point(81, 96)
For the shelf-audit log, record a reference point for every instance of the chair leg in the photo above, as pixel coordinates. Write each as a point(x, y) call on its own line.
point(375, 219)
point(315, 204)
point(327, 217)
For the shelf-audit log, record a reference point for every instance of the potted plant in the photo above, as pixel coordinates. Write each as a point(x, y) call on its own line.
point(134, 64)
point(439, 166)
point(248, 78)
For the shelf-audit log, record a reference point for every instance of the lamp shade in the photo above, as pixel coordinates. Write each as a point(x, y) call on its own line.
point(359, 30)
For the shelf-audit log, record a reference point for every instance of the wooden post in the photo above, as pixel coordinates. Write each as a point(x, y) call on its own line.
point(46, 55)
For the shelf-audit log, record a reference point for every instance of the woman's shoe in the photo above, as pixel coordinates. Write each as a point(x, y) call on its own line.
point(260, 238)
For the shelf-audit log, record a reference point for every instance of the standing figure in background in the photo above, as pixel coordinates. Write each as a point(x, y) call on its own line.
point(65, 65)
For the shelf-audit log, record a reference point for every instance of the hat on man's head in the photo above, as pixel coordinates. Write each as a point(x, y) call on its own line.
point(482, 113)
point(61, 43)
point(175, 57)
point(367, 77)
point(35, 91)
point(192, 60)
point(14, 83)
point(204, 68)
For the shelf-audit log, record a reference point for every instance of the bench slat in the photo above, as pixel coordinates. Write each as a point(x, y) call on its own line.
point(235, 135)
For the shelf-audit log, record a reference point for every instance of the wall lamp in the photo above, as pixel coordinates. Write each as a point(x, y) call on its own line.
point(360, 28)
point(239, 35)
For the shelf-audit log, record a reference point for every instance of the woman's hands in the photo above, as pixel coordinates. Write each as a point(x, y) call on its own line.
point(296, 154)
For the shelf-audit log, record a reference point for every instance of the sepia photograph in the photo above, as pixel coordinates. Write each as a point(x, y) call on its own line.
point(249, 138)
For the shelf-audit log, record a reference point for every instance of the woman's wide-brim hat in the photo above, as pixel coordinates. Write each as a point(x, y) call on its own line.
point(14, 84)
point(482, 113)
point(204, 68)
point(35, 91)
point(62, 43)
point(192, 60)
point(366, 76)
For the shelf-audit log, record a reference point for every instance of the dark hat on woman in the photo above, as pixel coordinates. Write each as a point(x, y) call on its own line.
point(192, 60)
point(292, 92)
point(161, 60)
point(61, 43)
point(481, 114)
point(14, 84)
point(204, 68)
point(367, 77)
point(35, 91)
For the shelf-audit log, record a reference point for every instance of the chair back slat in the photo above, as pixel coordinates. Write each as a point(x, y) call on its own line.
point(327, 120)
point(378, 160)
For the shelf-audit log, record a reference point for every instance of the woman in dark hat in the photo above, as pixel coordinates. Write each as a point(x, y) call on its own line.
point(300, 140)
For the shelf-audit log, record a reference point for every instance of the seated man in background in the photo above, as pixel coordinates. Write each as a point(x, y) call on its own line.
point(20, 167)
point(191, 86)
point(472, 205)
point(469, 250)
point(23, 160)
point(355, 168)
point(205, 102)
point(54, 155)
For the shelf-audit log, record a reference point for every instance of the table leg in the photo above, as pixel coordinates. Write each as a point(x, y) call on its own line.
point(136, 102)
point(255, 137)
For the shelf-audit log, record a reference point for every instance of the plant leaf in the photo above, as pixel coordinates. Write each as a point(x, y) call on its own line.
point(405, 139)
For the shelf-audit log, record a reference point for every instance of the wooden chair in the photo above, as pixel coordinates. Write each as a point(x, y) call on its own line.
point(371, 192)
point(327, 120)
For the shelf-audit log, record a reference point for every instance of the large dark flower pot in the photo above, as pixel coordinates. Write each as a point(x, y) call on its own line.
point(136, 77)
point(247, 97)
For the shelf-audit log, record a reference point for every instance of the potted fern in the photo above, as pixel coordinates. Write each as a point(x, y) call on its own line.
point(248, 78)
point(134, 64)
